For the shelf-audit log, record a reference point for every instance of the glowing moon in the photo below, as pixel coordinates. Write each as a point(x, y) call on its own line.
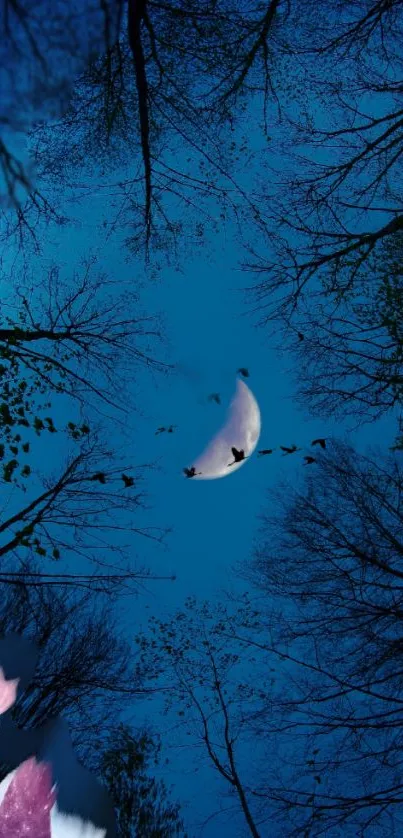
point(241, 430)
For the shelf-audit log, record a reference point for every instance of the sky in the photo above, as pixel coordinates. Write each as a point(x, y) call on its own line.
point(211, 334)
point(213, 522)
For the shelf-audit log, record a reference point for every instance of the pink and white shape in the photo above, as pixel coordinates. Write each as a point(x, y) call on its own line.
point(70, 826)
point(8, 692)
point(28, 807)
point(26, 799)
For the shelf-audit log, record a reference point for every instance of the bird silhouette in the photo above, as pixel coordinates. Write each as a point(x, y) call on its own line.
point(321, 442)
point(238, 456)
point(191, 472)
point(300, 336)
point(99, 476)
point(265, 451)
point(128, 481)
point(309, 460)
point(171, 429)
point(244, 371)
point(160, 431)
point(291, 450)
point(215, 397)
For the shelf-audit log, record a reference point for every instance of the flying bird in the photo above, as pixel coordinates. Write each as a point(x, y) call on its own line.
point(215, 397)
point(291, 450)
point(309, 460)
point(244, 371)
point(265, 451)
point(128, 481)
point(321, 442)
point(170, 429)
point(238, 455)
point(190, 472)
point(99, 476)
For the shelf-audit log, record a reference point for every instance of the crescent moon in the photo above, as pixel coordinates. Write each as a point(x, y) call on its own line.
point(241, 430)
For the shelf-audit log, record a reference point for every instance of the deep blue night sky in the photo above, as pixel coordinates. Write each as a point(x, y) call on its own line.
point(209, 335)
point(210, 332)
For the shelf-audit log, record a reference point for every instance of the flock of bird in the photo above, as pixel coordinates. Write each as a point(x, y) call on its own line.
point(308, 458)
point(240, 455)
point(128, 481)
point(101, 478)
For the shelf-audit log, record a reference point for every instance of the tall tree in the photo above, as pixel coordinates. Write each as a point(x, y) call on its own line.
point(349, 360)
point(337, 194)
point(87, 673)
point(41, 50)
point(299, 681)
point(69, 340)
point(70, 515)
point(212, 693)
point(331, 558)
point(142, 806)
point(171, 87)
point(79, 336)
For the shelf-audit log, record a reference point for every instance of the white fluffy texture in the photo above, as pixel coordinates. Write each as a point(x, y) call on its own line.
point(69, 826)
point(241, 431)
point(5, 784)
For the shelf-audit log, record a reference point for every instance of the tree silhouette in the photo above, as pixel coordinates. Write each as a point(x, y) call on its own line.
point(170, 86)
point(191, 655)
point(339, 194)
point(76, 338)
point(142, 805)
point(41, 51)
point(339, 587)
point(306, 666)
point(69, 515)
point(350, 363)
point(87, 673)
